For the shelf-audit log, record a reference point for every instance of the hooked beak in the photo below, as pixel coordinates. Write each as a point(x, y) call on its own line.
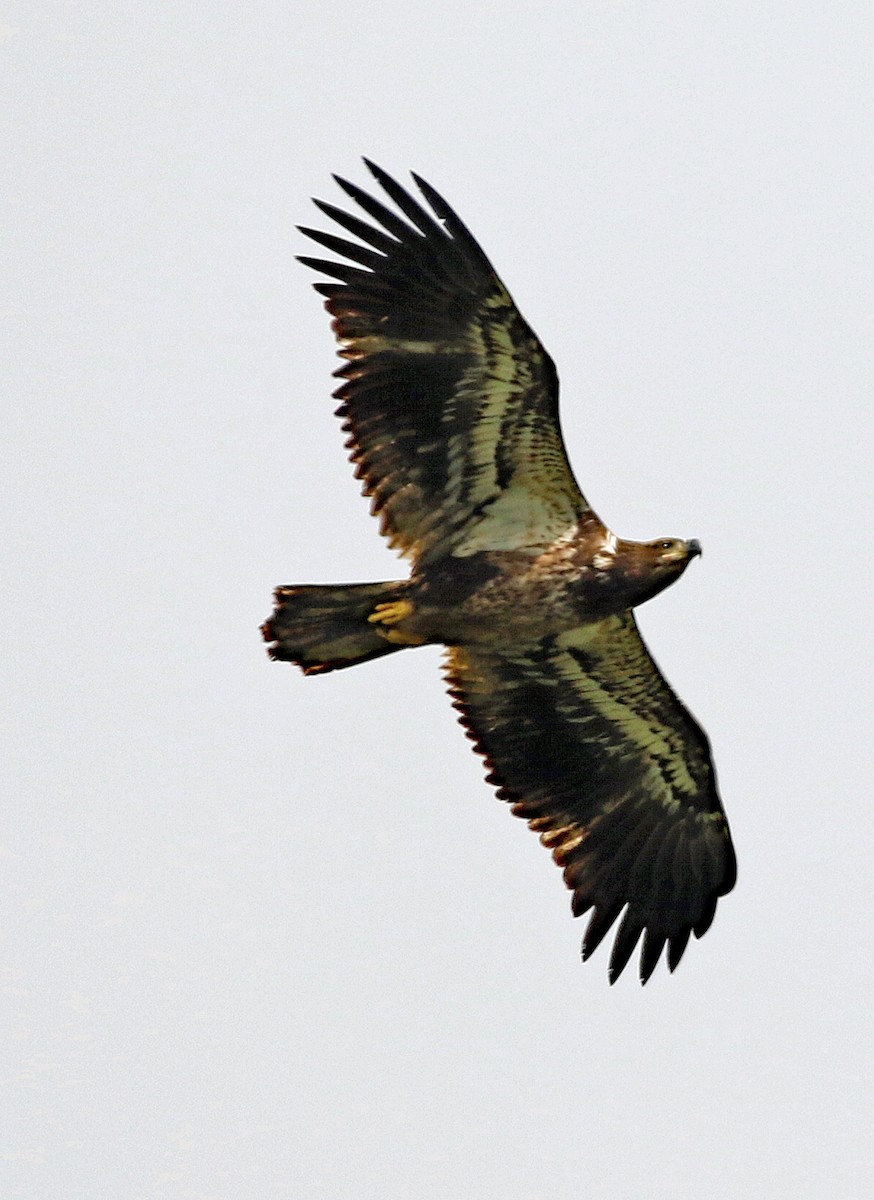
point(693, 548)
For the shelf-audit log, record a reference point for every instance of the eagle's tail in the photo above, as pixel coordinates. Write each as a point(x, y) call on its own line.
point(322, 628)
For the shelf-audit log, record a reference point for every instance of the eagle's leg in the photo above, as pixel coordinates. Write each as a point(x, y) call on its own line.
point(385, 616)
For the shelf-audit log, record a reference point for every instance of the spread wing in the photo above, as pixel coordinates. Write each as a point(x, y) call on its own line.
point(589, 743)
point(449, 399)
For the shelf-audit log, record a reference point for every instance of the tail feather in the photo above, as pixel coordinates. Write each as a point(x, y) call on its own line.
point(323, 628)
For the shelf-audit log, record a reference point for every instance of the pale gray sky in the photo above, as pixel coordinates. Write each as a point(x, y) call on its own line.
point(272, 937)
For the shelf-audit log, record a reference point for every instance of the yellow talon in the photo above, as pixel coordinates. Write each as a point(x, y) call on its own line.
point(403, 639)
point(391, 613)
point(386, 615)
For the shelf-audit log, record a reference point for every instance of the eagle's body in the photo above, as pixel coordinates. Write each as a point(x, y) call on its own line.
point(451, 405)
point(506, 597)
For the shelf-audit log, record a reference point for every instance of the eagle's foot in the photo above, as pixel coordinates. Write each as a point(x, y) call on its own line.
point(390, 614)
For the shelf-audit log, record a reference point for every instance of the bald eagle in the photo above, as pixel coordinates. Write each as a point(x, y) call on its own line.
point(450, 404)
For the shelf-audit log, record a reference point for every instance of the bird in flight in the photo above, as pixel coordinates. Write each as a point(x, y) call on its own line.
point(450, 404)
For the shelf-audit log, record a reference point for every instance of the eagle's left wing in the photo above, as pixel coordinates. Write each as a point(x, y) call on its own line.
point(587, 740)
point(450, 401)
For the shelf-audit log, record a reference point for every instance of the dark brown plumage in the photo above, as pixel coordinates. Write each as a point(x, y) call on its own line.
point(450, 404)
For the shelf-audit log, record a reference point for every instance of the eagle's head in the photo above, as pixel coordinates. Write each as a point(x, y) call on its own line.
point(660, 562)
point(672, 553)
point(647, 568)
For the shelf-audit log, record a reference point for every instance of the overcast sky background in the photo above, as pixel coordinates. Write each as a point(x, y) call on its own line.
point(273, 937)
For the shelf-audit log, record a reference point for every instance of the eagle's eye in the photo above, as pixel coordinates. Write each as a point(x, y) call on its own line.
point(666, 545)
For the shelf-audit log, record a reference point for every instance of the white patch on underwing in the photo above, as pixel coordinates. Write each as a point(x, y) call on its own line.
point(517, 519)
point(625, 688)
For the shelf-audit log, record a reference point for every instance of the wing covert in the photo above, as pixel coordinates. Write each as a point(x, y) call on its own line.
point(587, 741)
point(449, 399)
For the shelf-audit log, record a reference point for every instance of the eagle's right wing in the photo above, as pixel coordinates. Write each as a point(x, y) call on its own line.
point(449, 400)
point(589, 743)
